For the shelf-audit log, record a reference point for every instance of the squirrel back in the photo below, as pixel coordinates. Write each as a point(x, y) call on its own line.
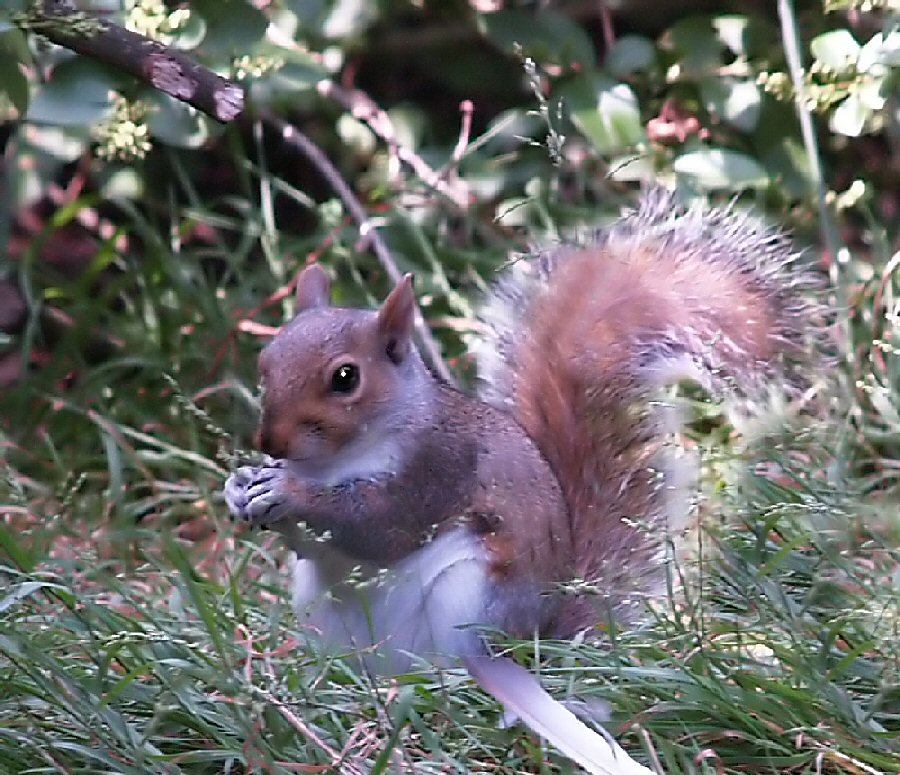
point(581, 339)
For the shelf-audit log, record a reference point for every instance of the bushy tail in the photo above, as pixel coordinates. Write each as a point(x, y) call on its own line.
point(584, 336)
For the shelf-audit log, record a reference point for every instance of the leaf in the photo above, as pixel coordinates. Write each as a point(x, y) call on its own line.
point(10, 547)
point(14, 43)
point(19, 592)
point(704, 43)
point(837, 49)
point(605, 112)
point(697, 45)
point(14, 84)
point(880, 51)
point(736, 101)
point(718, 168)
point(547, 36)
point(232, 26)
point(734, 32)
point(190, 34)
point(299, 74)
point(849, 117)
point(631, 54)
point(77, 94)
point(787, 164)
point(308, 12)
point(175, 123)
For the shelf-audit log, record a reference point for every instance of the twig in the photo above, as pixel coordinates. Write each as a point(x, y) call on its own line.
point(465, 130)
point(362, 107)
point(294, 137)
point(606, 24)
point(165, 68)
point(308, 733)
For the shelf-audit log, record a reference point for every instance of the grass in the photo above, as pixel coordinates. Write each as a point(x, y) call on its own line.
point(140, 632)
point(164, 648)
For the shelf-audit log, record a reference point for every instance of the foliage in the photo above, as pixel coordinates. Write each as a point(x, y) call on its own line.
point(152, 249)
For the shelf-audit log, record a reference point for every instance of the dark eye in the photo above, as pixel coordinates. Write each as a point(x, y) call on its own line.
point(345, 378)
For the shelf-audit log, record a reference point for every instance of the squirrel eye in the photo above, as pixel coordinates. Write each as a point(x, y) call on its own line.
point(345, 378)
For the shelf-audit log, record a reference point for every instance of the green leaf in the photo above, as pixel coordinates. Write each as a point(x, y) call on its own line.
point(175, 123)
point(309, 13)
point(837, 49)
point(14, 84)
point(232, 27)
point(77, 94)
point(26, 589)
point(704, 43)
point(547, 36)
point(736, 101)
point(300, 73)
point(10, 547)
point(718, 168)
point(787, 165)
point(697, 46)
point(631, 54)
point(190, 34)
point(605, 112)
point(14, 44)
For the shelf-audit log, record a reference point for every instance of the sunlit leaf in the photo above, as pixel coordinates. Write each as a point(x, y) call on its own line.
point(837, 49)
point(606, 112)
point(718, 168)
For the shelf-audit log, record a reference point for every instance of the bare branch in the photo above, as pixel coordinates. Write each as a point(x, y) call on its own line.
point(362, 107)
point(167, 69)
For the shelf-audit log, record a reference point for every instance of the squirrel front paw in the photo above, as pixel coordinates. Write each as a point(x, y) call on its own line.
point(259, 495)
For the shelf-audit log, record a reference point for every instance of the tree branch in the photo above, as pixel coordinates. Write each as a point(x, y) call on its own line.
point(162, 67)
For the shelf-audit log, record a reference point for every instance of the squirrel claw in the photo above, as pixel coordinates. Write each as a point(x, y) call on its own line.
point(257, 495)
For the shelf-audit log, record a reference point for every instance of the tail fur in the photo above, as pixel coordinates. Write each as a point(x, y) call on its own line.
point(522, 695)
point(583, 337)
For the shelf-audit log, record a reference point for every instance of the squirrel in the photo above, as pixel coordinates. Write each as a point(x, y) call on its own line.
point(420, 515)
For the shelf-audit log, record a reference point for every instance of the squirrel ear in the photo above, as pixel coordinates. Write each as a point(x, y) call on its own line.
point(313, 288)
point(396, 319)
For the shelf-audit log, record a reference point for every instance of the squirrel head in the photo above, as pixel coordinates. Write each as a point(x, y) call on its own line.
point(334, 377)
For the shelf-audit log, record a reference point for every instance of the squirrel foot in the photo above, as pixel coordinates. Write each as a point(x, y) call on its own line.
point(259, 495)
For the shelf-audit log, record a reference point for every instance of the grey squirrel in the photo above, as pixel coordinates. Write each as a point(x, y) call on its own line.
point(563, 470)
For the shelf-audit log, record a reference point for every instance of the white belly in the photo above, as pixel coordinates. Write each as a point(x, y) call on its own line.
point(426, 605)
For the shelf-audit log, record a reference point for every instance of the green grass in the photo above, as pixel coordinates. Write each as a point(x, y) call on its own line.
point(167, 648)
